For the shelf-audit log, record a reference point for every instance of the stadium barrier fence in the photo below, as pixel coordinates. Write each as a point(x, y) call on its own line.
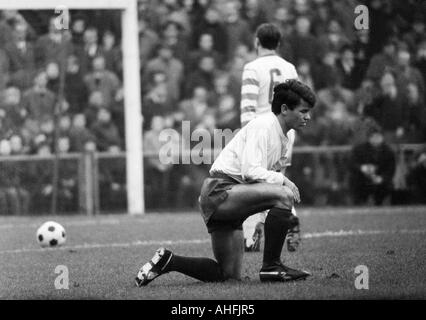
point(95, 182)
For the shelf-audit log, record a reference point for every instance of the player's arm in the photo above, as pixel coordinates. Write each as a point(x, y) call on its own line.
point(254, 160)
point(249, 95)
point(291, 137)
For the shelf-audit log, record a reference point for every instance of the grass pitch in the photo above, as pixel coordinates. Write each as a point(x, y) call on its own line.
point(104, 253)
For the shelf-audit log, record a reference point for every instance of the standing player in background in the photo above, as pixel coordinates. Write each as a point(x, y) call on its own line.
point(258, 81)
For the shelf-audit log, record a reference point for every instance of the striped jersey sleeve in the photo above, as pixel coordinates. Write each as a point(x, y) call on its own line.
point(249, 95)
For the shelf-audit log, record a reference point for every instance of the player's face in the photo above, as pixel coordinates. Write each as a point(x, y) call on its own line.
point(298, 118)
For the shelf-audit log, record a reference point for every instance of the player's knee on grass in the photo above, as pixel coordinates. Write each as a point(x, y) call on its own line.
point(229, 273)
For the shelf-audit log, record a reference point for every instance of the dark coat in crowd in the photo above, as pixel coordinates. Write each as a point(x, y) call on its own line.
point(382, 159)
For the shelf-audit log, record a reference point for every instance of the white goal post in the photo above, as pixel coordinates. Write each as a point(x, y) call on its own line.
point(131, 82)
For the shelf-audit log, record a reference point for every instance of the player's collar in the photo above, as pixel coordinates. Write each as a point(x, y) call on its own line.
point(267, 55)
point(284, 139)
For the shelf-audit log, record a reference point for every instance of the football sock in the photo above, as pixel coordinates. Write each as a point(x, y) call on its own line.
point(277, 224)
point(204, 269)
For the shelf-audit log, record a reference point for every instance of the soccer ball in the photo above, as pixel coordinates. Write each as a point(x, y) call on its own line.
point(51, 234)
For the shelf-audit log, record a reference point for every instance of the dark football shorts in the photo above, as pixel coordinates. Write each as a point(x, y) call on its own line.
point(214, 192)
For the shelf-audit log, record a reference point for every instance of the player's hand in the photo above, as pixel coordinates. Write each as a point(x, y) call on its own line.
point(288, 183)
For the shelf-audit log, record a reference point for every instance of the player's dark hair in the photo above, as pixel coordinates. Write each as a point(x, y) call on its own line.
point(269, 35)
point(291, 93)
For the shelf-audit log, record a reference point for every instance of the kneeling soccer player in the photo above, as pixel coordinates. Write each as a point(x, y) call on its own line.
point(243, 181)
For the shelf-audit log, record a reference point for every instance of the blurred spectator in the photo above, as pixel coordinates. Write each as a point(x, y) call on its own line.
point(89, 49)
point(325, 72)
point(7, 20)
point(67, 184)
point(203, 76)
point(11, 108)
point(103, 81)
point(112, 53)
point(304, 45)
point(96, 102)
point(407, 75)
point(321, 18)
point(237, 29)
point(78, 25)
point(305, 73)
point(284, 21)
point(348, 69)
point(382, 24)
point(372, 169)
point(4, 69)
point(334, 39)
point(148, 42)
point(52, 72)
point(361, 50)
point(420, 59)
point(76, 92)
point(105, 132)
point(417, 33)
point(389, 109)
point(205, 48)
point(254, 13)
point(54, 46)
point(20, 53)
point(39, 101)
point(15, 197)
point(211, 24)
point(228, 116)
point(80, 137)
point(156, 102)
point(64, 124)
point(382, 62)
point(223, 86)
point(336, 107)
point(195, 108)
point(117, 111)
point(417, 179)
point(157, 173)
point(174, 38)
point(166, 63)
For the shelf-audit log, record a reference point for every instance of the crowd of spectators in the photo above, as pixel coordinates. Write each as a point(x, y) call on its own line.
point(192, 53)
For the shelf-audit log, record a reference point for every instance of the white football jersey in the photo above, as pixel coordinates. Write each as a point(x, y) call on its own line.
point(258, 81)
point(260, 76)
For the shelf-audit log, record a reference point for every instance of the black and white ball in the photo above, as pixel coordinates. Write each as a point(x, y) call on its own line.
point(51, 234)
